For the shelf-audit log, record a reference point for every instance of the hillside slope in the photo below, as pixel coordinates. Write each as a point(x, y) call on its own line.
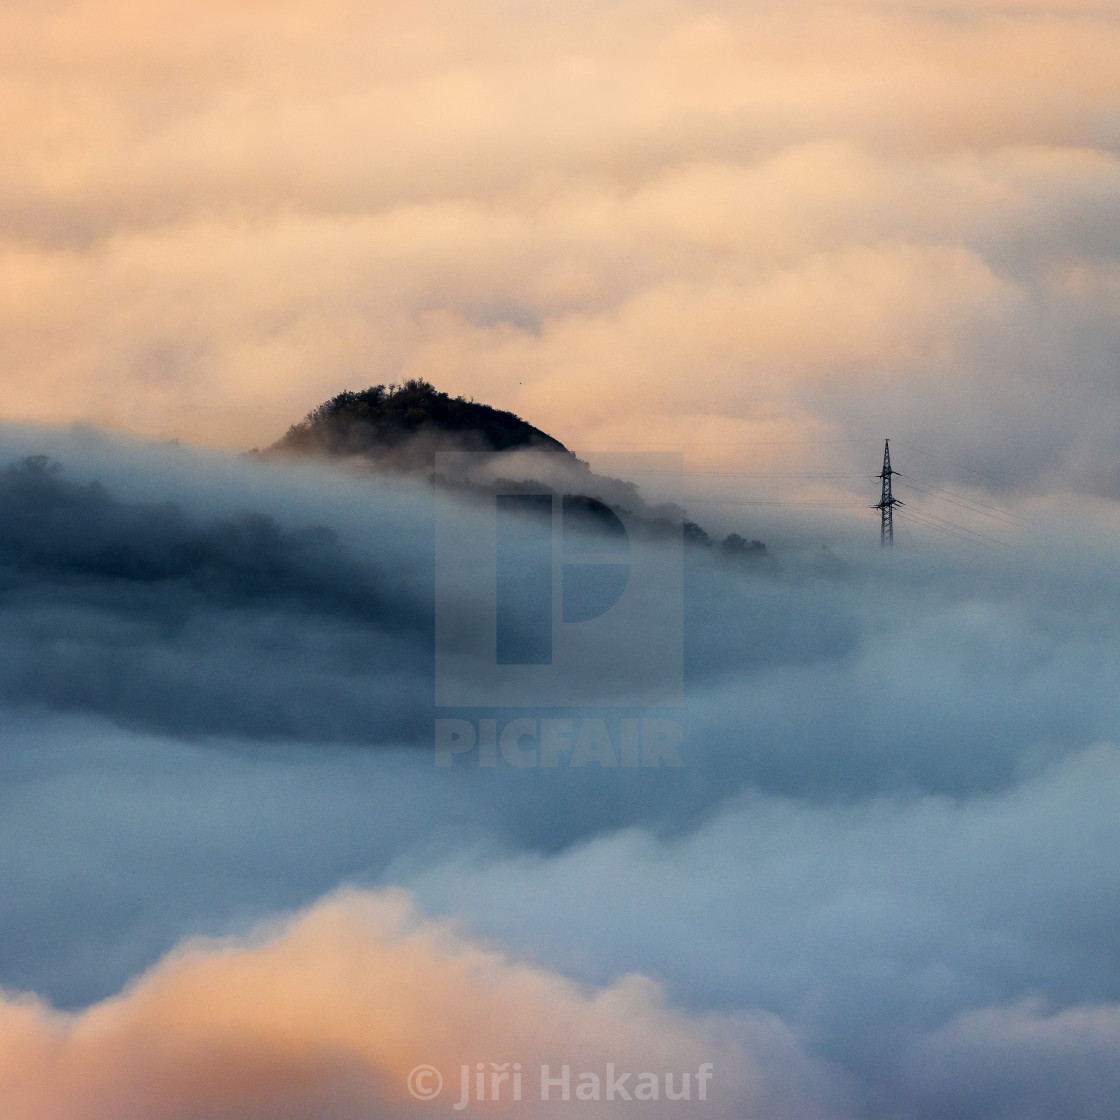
point(404, 425)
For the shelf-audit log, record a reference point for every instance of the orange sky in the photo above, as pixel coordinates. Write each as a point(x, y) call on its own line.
point(657, 223)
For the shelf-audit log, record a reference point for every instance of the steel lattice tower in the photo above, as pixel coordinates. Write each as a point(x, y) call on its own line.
point(888, 501)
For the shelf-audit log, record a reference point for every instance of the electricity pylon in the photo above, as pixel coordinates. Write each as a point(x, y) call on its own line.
point(888, 501)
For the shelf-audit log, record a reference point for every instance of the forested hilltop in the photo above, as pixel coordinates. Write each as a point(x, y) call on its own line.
point(404, 425)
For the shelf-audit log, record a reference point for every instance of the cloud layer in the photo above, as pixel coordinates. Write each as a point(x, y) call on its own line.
point(881, 883)
point(327, 1015)
point(694, 226)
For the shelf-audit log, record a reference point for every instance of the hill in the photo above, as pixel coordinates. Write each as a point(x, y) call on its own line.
point(404, 425)
point(401, 427)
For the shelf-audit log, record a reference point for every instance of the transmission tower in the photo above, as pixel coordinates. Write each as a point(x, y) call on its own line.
point(888, 501)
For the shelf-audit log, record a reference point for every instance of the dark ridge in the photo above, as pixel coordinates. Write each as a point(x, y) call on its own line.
point(404, 425)
point(401, 427)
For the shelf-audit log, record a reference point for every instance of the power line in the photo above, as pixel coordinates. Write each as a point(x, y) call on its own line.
point(959, 529)
point(846, 504)
point(886, 506)
point(962, 500)
point(724, 443)
point(961, 466)
point(929, 520)
point(909, 517)
point(756, 474)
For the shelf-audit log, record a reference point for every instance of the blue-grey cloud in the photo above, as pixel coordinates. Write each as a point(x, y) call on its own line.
point(892, 826)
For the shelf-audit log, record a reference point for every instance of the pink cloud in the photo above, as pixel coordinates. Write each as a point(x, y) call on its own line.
point(323, 1016)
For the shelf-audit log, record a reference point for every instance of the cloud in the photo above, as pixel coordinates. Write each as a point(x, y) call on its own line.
point(1021, 1061)
point(907, 937)
point(825, 959)
point(198, 596)
point(326, 1014)
point(972, 899)
point(138, 611)
point(892, 822)
point(696, 224)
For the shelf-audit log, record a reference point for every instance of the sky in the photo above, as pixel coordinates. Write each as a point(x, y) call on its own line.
point(873, 877)
point(709, 227)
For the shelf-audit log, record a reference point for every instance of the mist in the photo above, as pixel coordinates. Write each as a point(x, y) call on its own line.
point(883, 863)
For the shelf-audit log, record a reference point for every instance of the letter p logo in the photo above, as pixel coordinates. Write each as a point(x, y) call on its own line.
point(594, 567)
point(547, 598)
